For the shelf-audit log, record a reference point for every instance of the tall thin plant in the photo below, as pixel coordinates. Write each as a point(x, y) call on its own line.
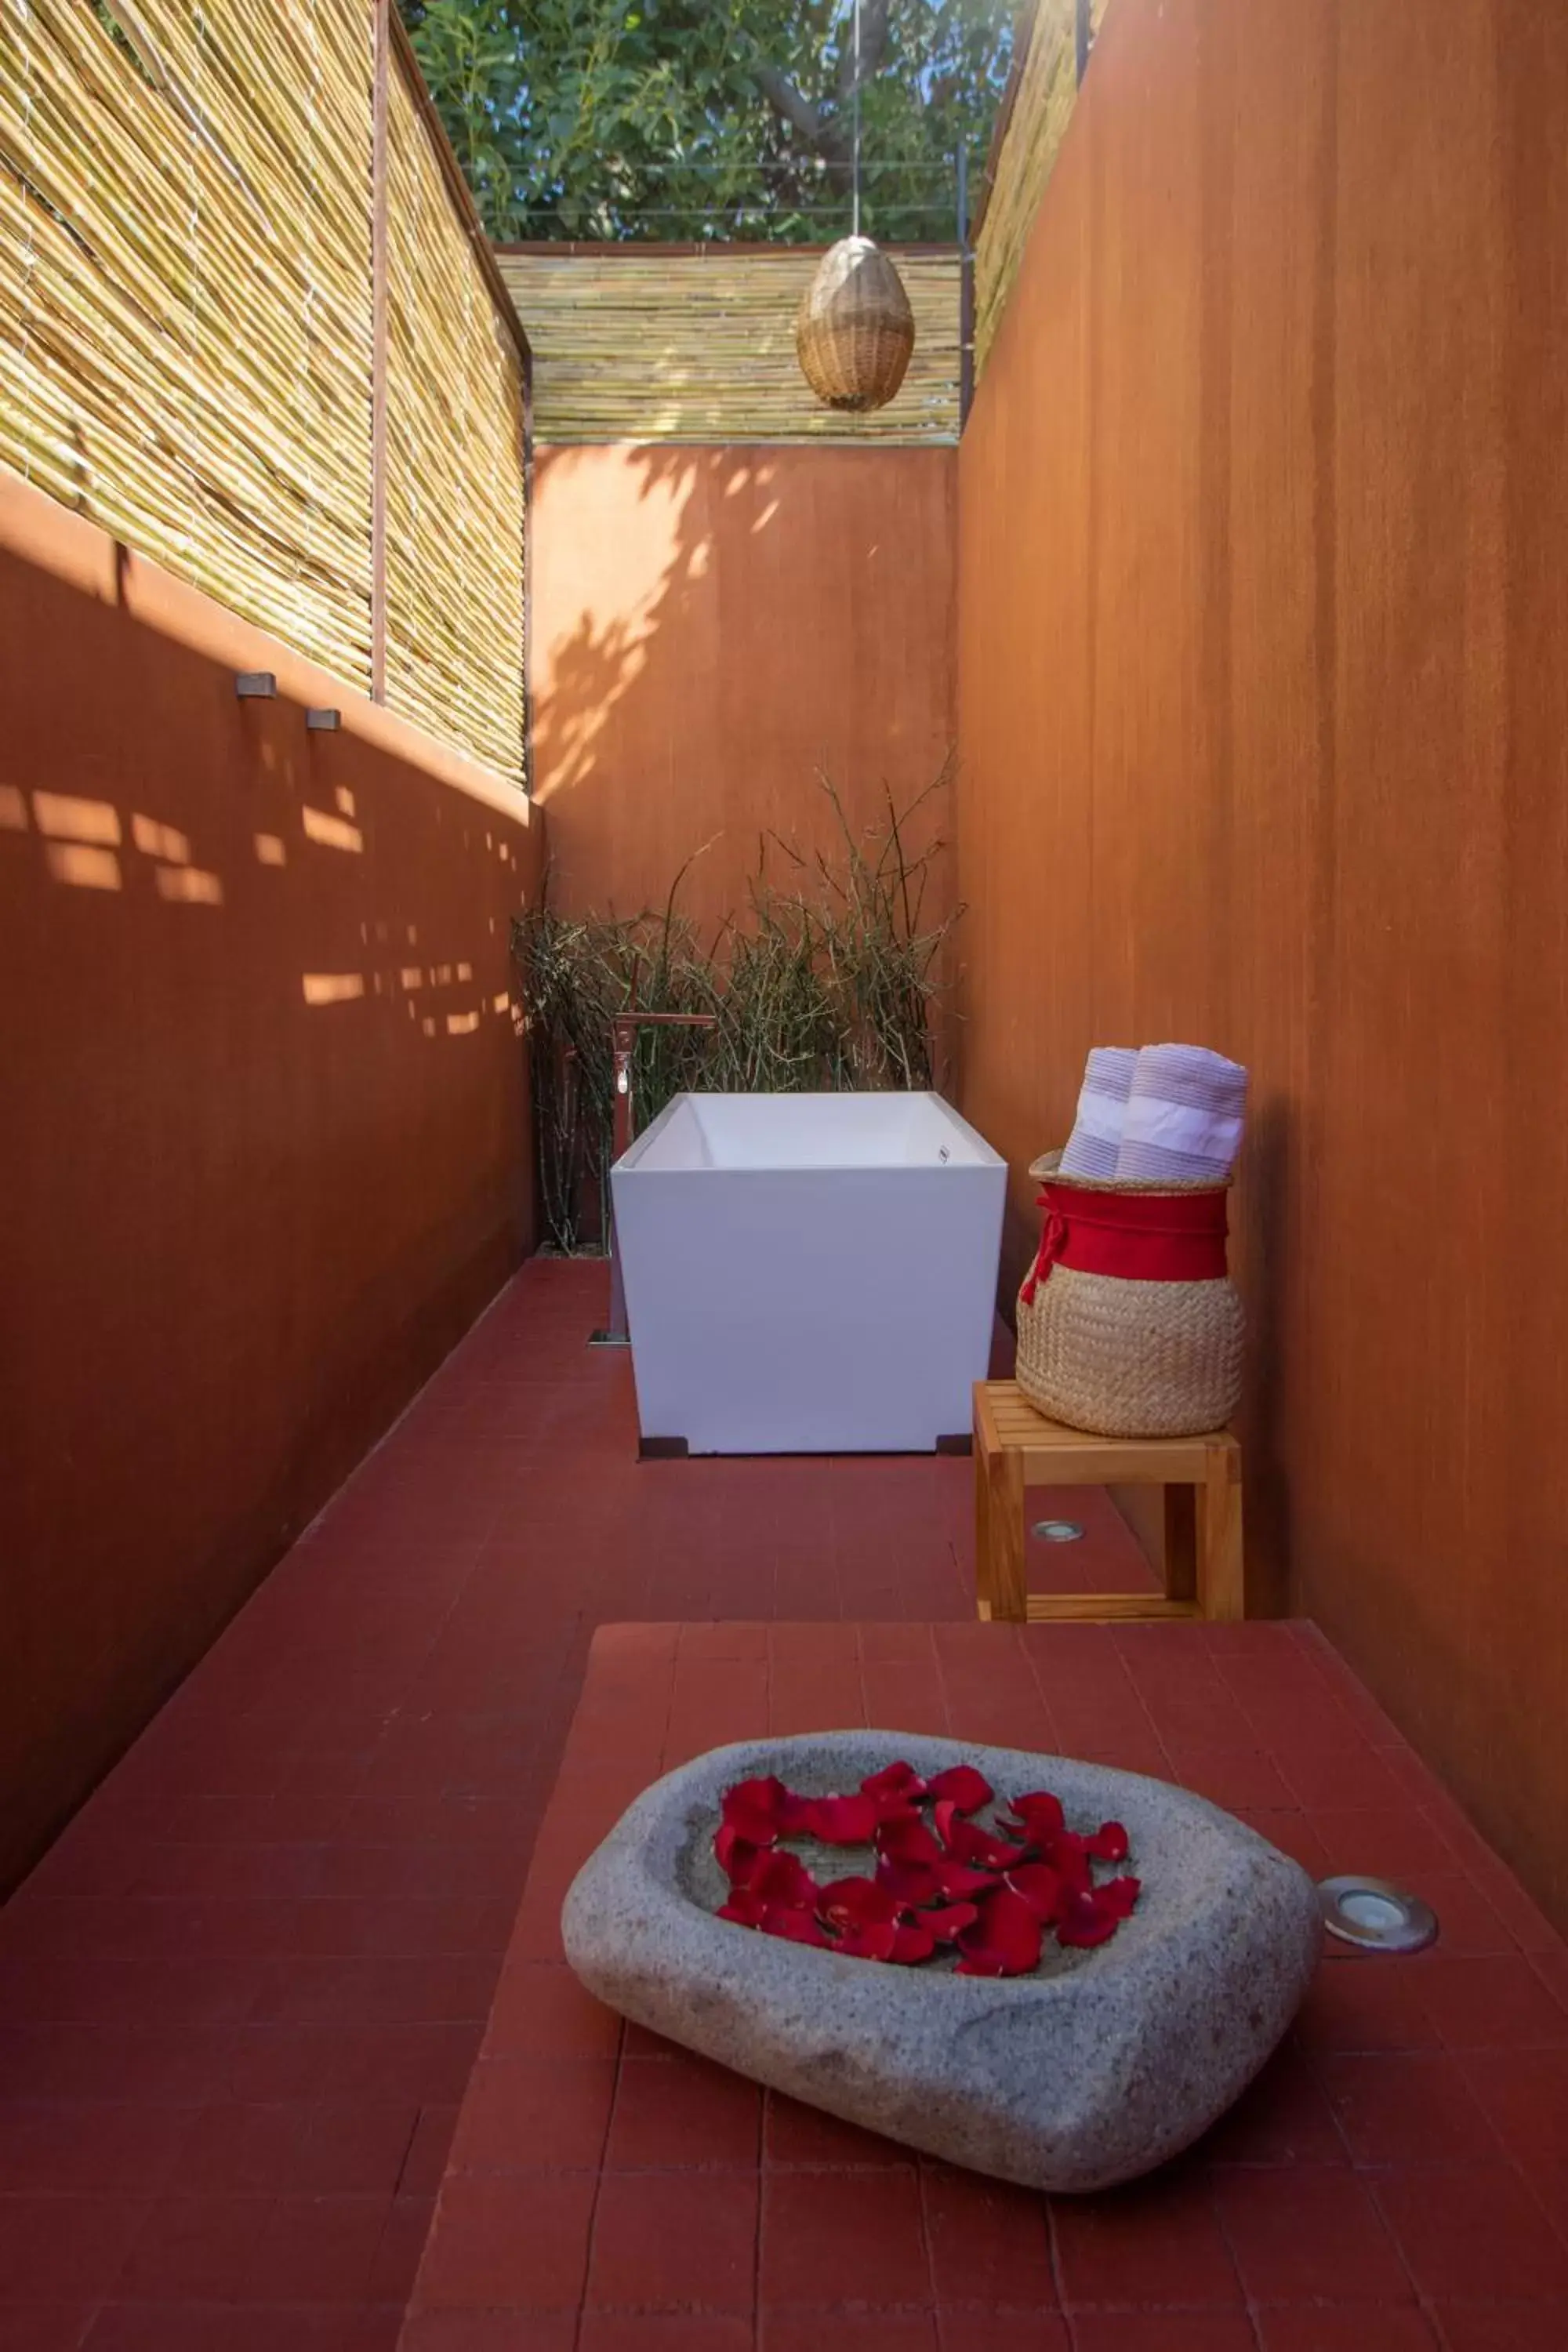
point(827, 982)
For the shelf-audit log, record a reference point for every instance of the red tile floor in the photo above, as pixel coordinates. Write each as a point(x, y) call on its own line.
point(242, 1997)
point(1397, 2179)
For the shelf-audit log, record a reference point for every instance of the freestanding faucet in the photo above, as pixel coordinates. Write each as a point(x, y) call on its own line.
point(623, 1030)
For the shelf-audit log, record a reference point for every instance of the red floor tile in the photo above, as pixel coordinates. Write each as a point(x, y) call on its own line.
point(1301, 2235)
point(1397, 2108)
point(241, 2001)
point(1162, 2331)
point(1032, 2331)
point(989, 2243)
point(200, 2247)
point(675, 2240)
point(682, 2111)
point(1491, 2004)
point(801, 2136)
point(832, 2237)
point(859, 2331)
point(1345, 2328)
point(535, 2114)
point(665, 2331)
point(1491, 2327)
point(93, 2144)
point(44, 2326)
point(509, 2240)
point(1524, 2094)
point(1475, 2233)
point(320, 2249)
point(1157, 2241)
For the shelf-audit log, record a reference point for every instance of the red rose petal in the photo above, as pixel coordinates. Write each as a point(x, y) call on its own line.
point(874, 1941)
point(1083, 1923)
point(913, 1944)
point(1041, 1887)
point(794, 1927)
point(978, 1962)
point(894, 1789)
point(855, 1903)
point(1006, 1924)
point(1040, 1814)
point(841, 1820)
point(948, 1924)
point(755, 1807)
point(735, 1853)
point(779, 1876)
point(962, 1786)
point(959, 1883)
point(1070, 1860)
point(1119, 1894)
point(906, 1837)
point(973, 1846)
point(908, 1882)
point(746, 1909)
point(1109, 1843)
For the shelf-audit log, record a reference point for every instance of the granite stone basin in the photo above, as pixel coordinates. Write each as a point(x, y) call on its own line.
point(1101, 2065)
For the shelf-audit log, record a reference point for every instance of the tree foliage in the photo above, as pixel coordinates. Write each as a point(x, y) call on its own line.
point(677, 119)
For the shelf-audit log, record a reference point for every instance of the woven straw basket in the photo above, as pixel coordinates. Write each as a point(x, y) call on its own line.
point(1129, 1359)
point(855, 330)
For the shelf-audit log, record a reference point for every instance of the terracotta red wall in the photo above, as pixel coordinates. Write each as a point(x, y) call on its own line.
point(709, 627)
point(246, 1210)
point(1264, 733)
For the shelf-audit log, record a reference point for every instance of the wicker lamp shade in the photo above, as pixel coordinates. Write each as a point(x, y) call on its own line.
point(855, 330)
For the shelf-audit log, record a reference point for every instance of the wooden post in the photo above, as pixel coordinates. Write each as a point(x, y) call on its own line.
point(379, 309)
point(1222, 1583)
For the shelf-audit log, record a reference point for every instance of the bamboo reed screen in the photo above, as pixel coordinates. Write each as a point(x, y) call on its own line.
point(699, 346)
point(454, 488)
point(1043, 100)
point(186, 319)
point(184, 295)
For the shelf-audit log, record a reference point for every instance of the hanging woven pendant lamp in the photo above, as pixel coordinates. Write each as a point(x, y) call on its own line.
point(855, 330)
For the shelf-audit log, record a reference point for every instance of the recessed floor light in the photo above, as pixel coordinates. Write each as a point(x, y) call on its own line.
point(1057, 1531)
point(1378, 1917)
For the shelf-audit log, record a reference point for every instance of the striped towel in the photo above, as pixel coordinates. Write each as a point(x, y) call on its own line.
point(1183, 1118)
point(1095, 1137)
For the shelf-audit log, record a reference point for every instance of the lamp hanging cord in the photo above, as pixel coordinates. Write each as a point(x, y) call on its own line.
point(854, 134)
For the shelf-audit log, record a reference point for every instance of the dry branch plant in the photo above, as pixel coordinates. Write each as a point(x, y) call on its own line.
point(826, 983)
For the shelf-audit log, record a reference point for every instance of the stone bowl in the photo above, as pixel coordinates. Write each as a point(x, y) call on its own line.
point(1097, 2067)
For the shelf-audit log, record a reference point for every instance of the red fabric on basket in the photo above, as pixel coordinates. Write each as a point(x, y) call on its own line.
point(1137, 1237)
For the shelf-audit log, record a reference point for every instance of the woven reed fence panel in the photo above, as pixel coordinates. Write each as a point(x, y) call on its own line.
point(454, 488)
point(185, 294)
point(701, 347)
point(1042, 108)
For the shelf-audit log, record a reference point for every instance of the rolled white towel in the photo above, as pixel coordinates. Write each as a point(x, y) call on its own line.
point(1184, 1119)
point(1096, 1138)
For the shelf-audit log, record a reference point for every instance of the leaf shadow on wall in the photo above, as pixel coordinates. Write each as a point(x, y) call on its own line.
point(712, 627)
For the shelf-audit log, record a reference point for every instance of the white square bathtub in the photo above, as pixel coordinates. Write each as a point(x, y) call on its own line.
point(808, 1273)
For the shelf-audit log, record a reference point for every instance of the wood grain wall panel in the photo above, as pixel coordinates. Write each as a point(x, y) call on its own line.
point(711, 627)
point(1285, 770)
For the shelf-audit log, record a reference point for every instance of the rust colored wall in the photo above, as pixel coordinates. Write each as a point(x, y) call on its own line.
point(710, 625)
point(240, 1226)
point(1264, 732)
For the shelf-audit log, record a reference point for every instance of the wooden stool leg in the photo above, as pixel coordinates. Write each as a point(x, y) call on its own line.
point(1222, 1586)
point(985, 1566)
point(1181, 1543)
point(1010, 1594)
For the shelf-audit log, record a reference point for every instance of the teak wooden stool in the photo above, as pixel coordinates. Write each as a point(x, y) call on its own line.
point(1016, 1447)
